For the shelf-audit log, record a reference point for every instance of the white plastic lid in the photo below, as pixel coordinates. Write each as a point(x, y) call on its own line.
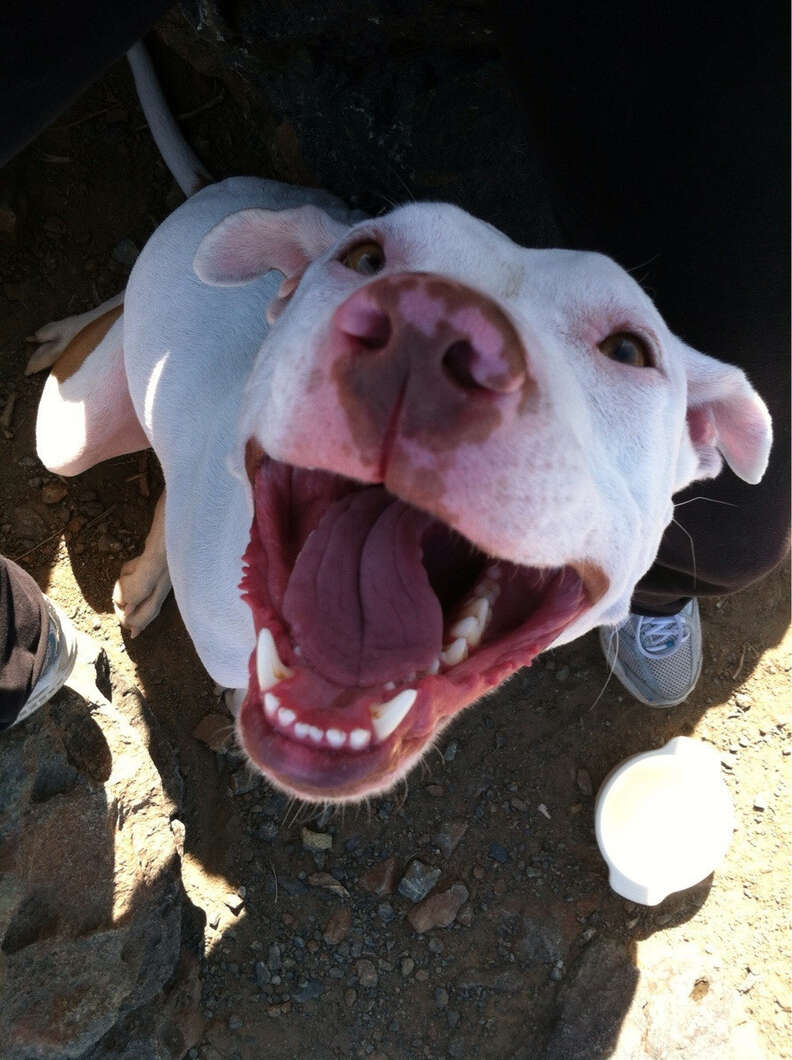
point(664, 820)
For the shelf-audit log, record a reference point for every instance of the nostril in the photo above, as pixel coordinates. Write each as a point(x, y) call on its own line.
point(458, 364)
point(366, 323)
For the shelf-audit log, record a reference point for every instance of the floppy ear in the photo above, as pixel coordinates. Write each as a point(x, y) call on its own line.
point(725, 418)
point(249, 243)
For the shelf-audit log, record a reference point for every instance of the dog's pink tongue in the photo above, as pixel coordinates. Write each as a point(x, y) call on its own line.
point(358, 601)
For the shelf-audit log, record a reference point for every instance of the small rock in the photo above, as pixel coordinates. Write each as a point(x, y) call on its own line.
point(366, 973)
point(441, 997)
point(437, 791)
point(385, 912)
point(450, 752)
point(274, 958)
point(179, 832)
point(53, 492)
point(418, 880)
point(407, 966)
point(214, 920)
point(450, 834)
point(329, 883)
point(234, 902)
point(760, 801)
point(337, 926)
point(350, 997)
point(562, 674)
point(439, 910)
point(543, 810)
point(316, 840)
point(381, 878)
point(262, 974)
point(583, 781)
point(234, 1023)
point(243, 781)
point(308, 990)
point(498, 853)
point(743, 701)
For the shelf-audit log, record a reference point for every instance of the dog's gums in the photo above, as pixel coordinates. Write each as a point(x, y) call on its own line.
point(375, 624)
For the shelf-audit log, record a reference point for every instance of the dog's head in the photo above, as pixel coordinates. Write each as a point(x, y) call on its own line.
point(459, 452)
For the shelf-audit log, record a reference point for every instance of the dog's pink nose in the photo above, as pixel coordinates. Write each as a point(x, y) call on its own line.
point(430, 322)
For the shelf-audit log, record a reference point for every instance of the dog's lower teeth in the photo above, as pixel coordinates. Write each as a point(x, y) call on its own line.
point(386, 717)
point(271, 704)
point(286, 716)
point(359, 738)
point(336, 738)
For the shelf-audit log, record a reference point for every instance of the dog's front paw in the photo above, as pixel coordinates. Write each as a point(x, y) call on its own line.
point(51, 339)
point(139, 593)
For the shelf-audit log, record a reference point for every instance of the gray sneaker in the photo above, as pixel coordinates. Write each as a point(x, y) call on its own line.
point(658, 660)
point(58, 662)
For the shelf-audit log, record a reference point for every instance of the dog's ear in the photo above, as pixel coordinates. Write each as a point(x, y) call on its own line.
point(725, 418)
point(249, 243)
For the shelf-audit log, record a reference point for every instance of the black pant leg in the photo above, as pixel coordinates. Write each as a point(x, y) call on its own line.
point(24, 625)
point(665, 130)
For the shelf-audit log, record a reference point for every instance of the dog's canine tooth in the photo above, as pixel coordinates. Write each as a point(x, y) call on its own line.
point(286, 716)
point(455, 652)
point(388, 716)
point(336, 738)
point(269, 668)
point(359, 738)
point(271, 704)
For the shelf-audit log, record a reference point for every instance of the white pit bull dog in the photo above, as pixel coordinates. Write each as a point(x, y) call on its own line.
point(402, 457)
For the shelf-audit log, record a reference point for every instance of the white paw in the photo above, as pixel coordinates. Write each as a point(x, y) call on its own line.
point(140, 592)
point(52, 340)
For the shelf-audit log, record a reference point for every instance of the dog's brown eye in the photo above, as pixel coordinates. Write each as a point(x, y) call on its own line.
point(366, 258)
point(627, 349)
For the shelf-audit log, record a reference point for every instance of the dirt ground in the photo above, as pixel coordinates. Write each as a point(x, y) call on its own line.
point(509, 977)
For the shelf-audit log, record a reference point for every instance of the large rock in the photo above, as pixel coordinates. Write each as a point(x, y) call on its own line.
point(91, 899)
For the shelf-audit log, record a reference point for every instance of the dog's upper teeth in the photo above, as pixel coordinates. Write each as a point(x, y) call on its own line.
point(269, 668)
point(271, 704)
point(387, 716)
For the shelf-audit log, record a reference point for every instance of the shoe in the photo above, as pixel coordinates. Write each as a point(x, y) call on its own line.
point(59, 661)
point(658, 660)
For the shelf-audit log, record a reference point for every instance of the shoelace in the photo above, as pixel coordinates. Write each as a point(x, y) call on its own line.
point(657, 638)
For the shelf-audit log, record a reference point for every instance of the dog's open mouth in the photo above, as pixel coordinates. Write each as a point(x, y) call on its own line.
point(375, 624)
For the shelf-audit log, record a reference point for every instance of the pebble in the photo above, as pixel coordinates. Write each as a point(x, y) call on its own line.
point(439, 910)
point(366, 973)
point(381, 878)
point(216, 731)
point(328, 883)
point(760, 801)
point(386, 912)
point(441, 997)
point(235, 902)
point(450, 752)
point(337, 926)
point(583, 781)
point(562, 674)
point(274, 957)
point(498, 853)
point(262, 973)
point(234, 1023)
point(350, 997)
point(449, 836)
point(316, 840)
point(407, 966)
point(308, 990)
point(418, 880)
point(53, 492)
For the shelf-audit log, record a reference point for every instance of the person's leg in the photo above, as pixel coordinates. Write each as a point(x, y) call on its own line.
point(665, 131)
